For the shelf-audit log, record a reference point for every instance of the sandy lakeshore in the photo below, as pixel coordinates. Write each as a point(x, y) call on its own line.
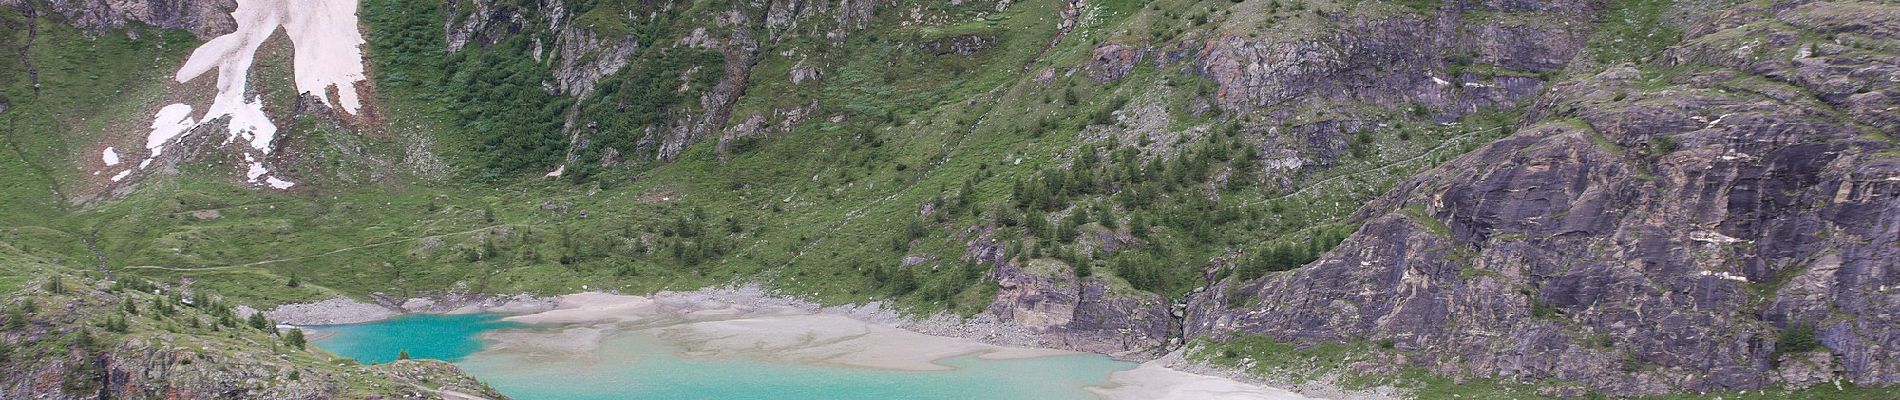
point(753, 323)
point(771, 329)
point(718, 329)
point(1153, 381)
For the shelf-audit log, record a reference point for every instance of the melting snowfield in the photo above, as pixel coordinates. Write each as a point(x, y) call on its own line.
point(328, 61)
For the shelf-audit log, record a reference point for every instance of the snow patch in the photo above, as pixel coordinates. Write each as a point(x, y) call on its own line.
point(110, 157)
point(1725, 275)
point(171, 121)
point(121, 175)
point(328, 49)
point(1713, 237)
point(328, 56)
point(557, 171)
point(1717, 120)
point(257, 169)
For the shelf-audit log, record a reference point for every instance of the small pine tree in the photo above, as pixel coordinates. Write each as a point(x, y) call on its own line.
point(294, 338)
point(258, 322)
point(488, 247)
point(294, 282)
point(402, 355)
point(16, 317)
point(163, 307)
point(115, 324)
point(85, 339)
point(56, 285)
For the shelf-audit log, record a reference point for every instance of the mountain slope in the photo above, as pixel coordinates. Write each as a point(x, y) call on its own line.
point(1721, 219)
point(1504, 190)
point(69, 336)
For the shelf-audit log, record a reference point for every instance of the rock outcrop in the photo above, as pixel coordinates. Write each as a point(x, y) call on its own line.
point(90, 339)
point(1651, 232)
point(203, 18)
point(1388, 56)
point(1081, 313)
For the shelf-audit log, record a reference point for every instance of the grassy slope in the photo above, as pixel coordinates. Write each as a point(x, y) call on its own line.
point(87, 86)
point(816, 211)
point(83, 318)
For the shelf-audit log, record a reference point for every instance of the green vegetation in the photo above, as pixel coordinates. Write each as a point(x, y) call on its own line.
point(490, 94)
point(161, 329)
point(1424, 218)
point(1634, 31)
point(917, 140)
point(1797, 338)
point(1283, 255)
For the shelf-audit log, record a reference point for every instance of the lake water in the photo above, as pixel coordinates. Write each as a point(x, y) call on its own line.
point(635, 365)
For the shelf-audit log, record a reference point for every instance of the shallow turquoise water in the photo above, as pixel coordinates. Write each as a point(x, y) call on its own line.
point(639, 366)
point(434, 336)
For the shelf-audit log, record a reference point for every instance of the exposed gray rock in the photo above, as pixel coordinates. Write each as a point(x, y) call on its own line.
point(1803, 370)
point(1046, 298)
point(341, 310)
point(1397, 59)
point(1639, 240)
point(1112, 61)
point(203, 18)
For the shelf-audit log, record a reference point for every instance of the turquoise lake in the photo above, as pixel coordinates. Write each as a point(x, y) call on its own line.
point(631, 365)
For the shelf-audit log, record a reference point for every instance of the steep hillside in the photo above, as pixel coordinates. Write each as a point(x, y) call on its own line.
point(1627, 197)
point(1721, 218)
point(65, 335)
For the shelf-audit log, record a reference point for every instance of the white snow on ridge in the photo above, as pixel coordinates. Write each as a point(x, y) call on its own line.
point(327, 56)
point(257, 168)
point(328, 49)
point(171, 121)
point(110, 157)
point(231, 55)
point(121, 175)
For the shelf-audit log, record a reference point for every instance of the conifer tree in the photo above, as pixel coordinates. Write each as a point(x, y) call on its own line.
point(294, 338)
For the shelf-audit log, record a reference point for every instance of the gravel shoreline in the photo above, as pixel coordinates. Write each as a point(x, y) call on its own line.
point(983, 328)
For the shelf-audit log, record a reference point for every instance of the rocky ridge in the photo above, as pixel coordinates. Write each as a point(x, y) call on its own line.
point(1652, 230)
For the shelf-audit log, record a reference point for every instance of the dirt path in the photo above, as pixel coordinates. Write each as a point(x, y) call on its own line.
point(32, 33)
point(273, 261)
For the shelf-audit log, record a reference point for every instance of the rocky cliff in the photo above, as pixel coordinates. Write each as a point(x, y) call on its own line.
point(1679, 225)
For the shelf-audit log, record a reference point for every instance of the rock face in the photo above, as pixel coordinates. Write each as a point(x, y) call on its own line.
point(1086, 314)
point(579, 56)
point(203, 18)
point(137, 370)
point(1648, 234)
point(1392, 58)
